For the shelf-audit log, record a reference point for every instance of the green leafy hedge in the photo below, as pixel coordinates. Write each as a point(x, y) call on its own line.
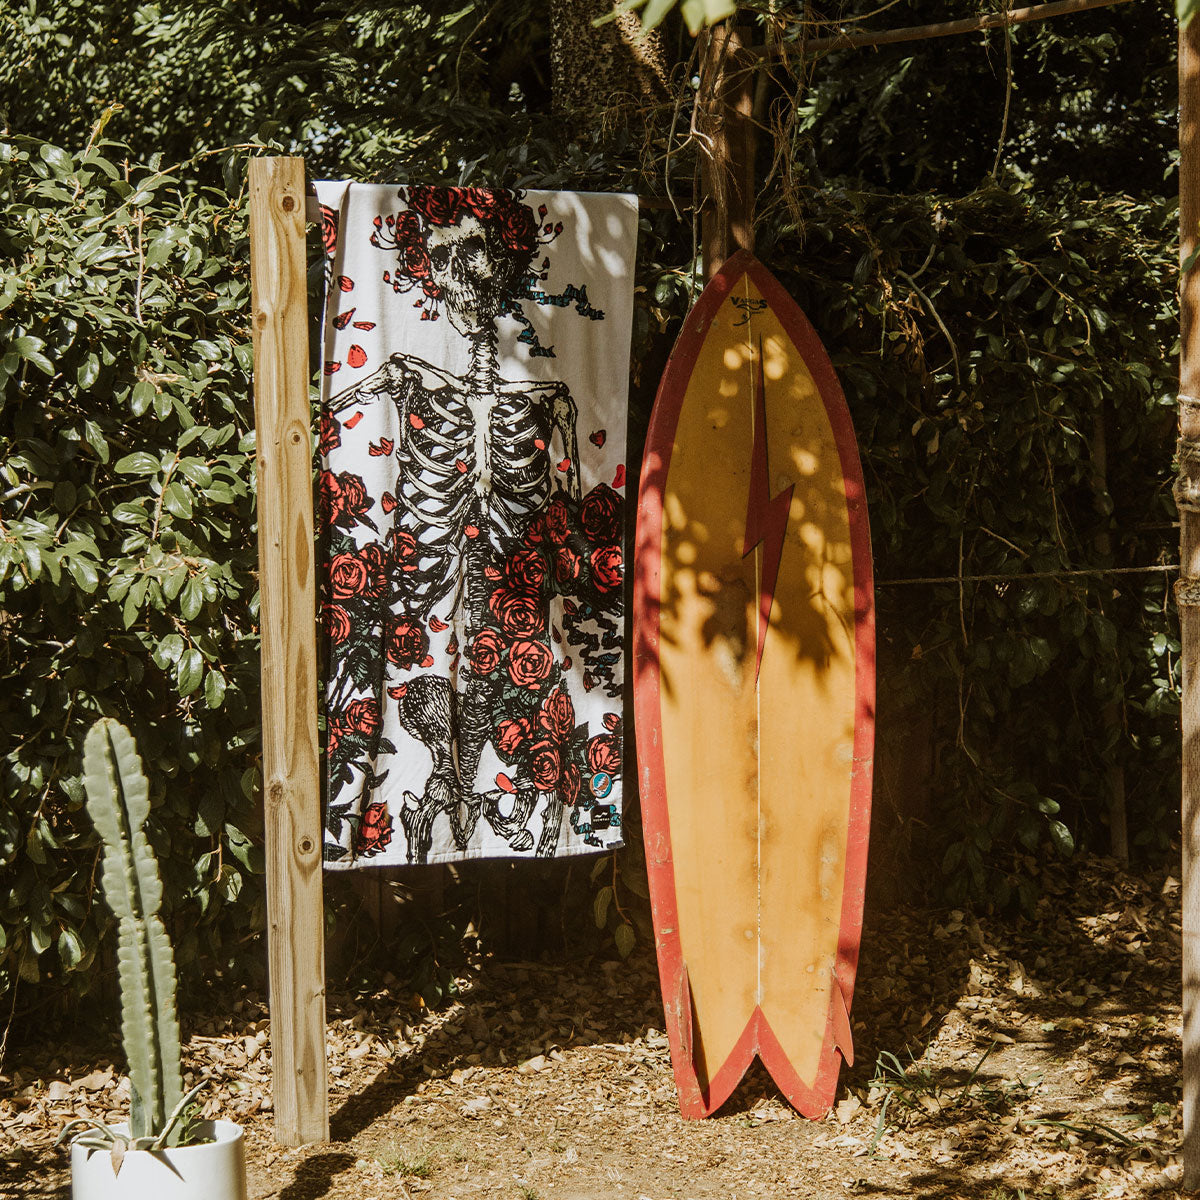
point(127, 555)
point(1008, 360)
point(990, 346)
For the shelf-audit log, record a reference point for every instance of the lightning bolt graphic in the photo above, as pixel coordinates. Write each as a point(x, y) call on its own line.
point(766, 515)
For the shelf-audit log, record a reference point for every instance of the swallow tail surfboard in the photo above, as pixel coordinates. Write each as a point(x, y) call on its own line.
point(754, 695)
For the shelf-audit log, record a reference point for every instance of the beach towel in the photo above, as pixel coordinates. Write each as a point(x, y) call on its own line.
point(472, 484)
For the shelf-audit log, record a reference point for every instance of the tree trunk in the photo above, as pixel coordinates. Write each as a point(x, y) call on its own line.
point(599, 71)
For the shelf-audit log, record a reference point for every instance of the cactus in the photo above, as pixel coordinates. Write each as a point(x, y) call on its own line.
point(118, 803)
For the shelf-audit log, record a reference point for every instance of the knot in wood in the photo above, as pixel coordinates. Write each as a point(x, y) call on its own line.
point(1187, 593)
point(1187, 483)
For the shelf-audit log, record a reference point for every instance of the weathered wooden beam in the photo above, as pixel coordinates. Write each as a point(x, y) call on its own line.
point(1187, 590)
point(725, 121)
point(920, 33)
point(287, 598)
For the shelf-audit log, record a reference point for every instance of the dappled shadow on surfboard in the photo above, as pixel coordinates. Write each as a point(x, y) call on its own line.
point(754, 661)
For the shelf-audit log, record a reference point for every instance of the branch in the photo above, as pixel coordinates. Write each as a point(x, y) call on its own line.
point(916, 33)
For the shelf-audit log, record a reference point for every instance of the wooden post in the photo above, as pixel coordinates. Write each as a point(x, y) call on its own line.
point(287, 597)
point(1187, 590)
point(727, 92)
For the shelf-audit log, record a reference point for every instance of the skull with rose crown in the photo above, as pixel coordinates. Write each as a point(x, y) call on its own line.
point(473, 271)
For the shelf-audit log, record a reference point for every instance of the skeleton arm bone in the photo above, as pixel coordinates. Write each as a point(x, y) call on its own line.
point(397, 379)
point(563, 411)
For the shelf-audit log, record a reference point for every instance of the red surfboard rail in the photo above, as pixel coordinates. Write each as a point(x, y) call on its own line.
point(714, 355)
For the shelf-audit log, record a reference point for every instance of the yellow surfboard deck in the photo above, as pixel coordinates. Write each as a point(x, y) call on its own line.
point(754, 695)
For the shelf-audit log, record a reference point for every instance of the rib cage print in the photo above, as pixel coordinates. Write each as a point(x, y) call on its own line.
point(471, 493)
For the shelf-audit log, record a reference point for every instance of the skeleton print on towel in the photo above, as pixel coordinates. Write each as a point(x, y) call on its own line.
point(473, 444)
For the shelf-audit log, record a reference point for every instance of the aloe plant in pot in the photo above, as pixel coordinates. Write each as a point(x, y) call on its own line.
point(163, 1152)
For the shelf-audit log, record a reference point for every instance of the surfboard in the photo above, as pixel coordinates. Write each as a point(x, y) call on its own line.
point(754, 696)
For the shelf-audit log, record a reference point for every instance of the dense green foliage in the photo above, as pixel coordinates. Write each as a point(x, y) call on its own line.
point(1002, 324)
point(127, 565)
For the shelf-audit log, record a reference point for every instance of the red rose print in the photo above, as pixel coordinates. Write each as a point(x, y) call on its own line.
point(357, 574)
point(437, 624)
point(405, 643)
point(329, 229)
point(565, 465)
point(598, 438)
point(518, 613)
point(387, 502)
point(606, 568)
point(557, 716)
point(345, 283)
point(381, 449)
point(600, 515)
point(415, 421)
point(604, 754)
point(337, 622)
point(566, 564)
point(398, 693)
point(518, 230)
point(365, 326)
point(353, 420)
point(377, 564)
point(332, 367)
point(343, 498)
point(558, 520)
point(568, 784)
point(404, 549)
point(439, 206)
point(374, 831)
point(505, 784)
point(536, 532)
point(334, 730)
point(356, 356)
point(511, 733)
point(342, 321)
point(545, 764)
point(526, 570)
point(619, 476)
point(363, 716)
point(480, 202)
point(331, 433)
point(612, 722)
point(529, 663)
point(485, 651)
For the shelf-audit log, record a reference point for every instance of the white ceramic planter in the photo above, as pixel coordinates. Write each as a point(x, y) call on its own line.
point(213, 1171)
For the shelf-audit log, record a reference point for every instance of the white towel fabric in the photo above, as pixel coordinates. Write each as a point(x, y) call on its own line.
point(472, 490)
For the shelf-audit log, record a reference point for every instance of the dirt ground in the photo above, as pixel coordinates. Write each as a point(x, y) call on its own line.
point(997, 1059)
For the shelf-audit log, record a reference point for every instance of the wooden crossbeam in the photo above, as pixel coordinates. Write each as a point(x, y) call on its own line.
point(287, 614)
point(920, 33)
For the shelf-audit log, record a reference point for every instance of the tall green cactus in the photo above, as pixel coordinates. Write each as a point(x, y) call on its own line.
point(118, 802)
